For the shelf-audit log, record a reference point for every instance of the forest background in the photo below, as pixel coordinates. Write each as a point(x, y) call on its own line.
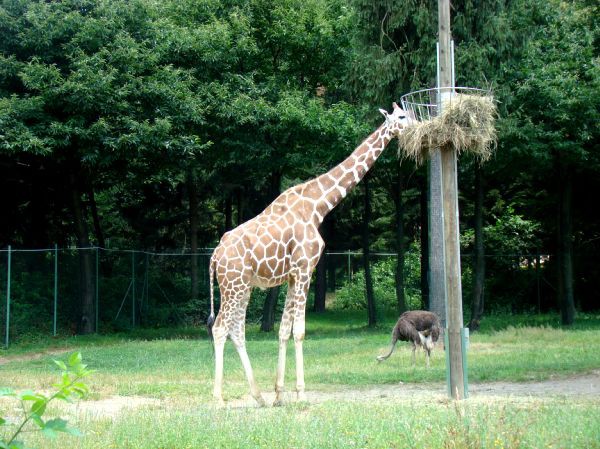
point(159, 125)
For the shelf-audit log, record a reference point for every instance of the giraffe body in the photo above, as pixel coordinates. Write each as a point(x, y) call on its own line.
point(283, 244)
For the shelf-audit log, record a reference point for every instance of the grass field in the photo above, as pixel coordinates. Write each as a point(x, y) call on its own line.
point(169, 373)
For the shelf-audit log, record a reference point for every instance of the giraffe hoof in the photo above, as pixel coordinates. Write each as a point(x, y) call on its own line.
point(278, 402)
point(219, 402)
point(301, 396)
point(260, 400)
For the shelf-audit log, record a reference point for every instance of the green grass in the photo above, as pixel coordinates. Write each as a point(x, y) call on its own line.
point(176, 367)
point(383, 424)
point(339, 350)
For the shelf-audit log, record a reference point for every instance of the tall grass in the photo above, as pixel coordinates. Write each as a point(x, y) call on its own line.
point(346, 424)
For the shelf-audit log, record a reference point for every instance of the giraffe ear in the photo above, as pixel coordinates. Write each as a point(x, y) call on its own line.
point(384, 112)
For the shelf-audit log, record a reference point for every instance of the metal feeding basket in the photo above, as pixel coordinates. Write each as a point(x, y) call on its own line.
point(462, 118)
point(425, 104)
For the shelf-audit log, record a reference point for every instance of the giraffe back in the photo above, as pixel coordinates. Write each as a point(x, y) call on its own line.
point(262, 251)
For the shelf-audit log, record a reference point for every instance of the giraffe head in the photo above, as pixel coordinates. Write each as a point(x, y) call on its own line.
point(397, 120)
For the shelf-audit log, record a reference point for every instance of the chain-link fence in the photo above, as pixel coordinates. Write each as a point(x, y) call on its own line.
point(43, 288)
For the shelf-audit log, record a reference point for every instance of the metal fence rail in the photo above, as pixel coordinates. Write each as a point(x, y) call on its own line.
point(136, 287)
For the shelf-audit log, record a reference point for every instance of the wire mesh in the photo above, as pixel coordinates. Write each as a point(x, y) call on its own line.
point(425, 104)
point(137, 288)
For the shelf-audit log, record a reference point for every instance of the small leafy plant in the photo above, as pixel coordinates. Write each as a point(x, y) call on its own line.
point(34, 405)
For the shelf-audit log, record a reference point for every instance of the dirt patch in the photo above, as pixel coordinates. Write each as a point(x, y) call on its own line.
point(111, 407)
point(34, 356)
point(582, 385)
point(587, 386)
point(104, 408)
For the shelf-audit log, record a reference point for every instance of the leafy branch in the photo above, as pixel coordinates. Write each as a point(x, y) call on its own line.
point(70, 386)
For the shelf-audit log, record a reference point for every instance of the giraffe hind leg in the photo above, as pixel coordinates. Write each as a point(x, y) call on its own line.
point(219, 337)
point(231, 322)
point(237, 333)
point(254, 390)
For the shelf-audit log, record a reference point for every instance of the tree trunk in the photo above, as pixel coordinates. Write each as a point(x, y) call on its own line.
point(240, 205)
point(96, 217)
point(193, 210)
point(329, 230)
point(86, 320)
point(268, 319)
point(321, 270)
point(479, 257)
point(38, 231)
point(321, 284)
point(565, 244)
point(105, 264)
point(424, 211)
point(400, 247)
point(228, 212)
point(371, 312)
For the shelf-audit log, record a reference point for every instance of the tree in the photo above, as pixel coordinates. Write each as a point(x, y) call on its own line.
point(477, 300)
point(88, 90)
point(371, 308)
point(556, 88)
point(395, 53)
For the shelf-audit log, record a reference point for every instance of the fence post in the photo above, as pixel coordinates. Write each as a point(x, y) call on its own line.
point(6, 340)
point(147, 297)
point(55, 289)
point(133, 289)
point(97, 287)
point(146, 286)
point(538, 262)
point(142, 298)
point(349, 267)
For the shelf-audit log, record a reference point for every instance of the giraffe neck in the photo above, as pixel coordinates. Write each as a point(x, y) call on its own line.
point(337, 182)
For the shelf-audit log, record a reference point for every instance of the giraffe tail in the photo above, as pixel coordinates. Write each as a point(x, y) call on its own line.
point(211, 318)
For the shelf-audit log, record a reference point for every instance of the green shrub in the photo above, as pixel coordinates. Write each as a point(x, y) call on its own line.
point(351, 295)
point(33, 415)
point(257, 301)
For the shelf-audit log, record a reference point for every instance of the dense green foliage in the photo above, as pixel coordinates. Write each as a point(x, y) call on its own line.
point(161, 124)
point(351, 294)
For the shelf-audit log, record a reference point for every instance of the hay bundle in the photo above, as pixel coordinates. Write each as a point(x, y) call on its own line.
point(466, 123)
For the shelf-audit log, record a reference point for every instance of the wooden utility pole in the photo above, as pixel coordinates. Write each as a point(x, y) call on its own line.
point(454, 315)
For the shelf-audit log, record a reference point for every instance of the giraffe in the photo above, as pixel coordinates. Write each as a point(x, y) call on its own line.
point(282, 244)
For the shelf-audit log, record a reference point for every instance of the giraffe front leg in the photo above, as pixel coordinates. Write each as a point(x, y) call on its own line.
point(298, 339)
point(284, 335)
point(285, 330)
point(299, 331)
